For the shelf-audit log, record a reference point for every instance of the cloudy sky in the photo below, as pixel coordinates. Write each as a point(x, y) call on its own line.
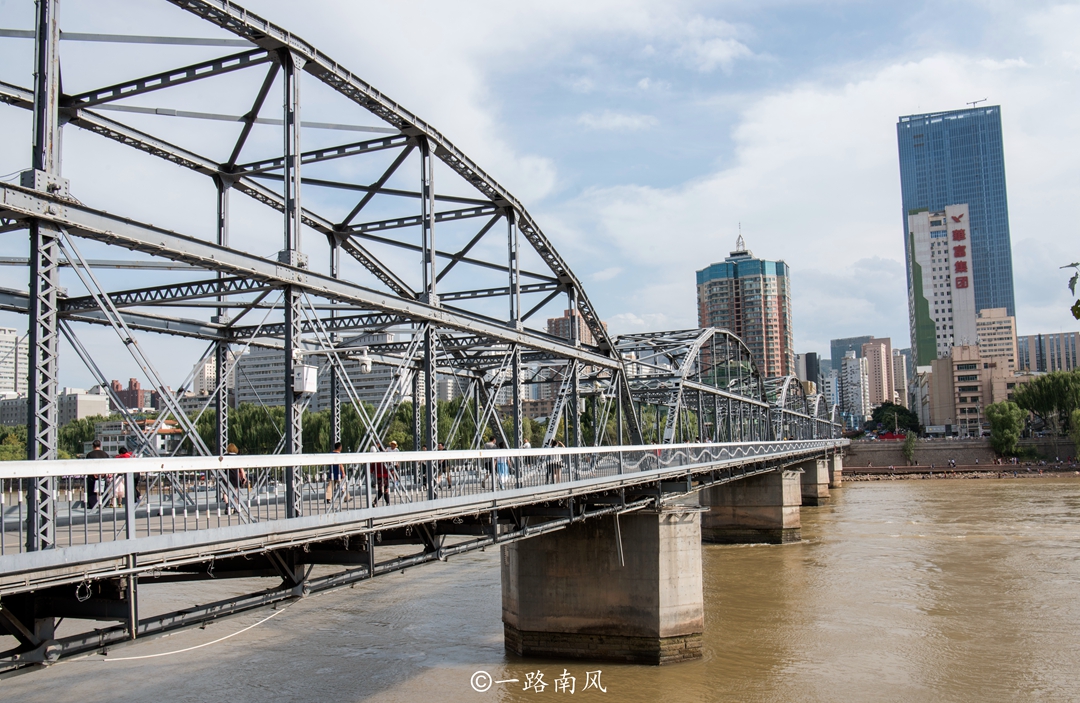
point(641, 133)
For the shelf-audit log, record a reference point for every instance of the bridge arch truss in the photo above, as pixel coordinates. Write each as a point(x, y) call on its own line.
point(388, 247)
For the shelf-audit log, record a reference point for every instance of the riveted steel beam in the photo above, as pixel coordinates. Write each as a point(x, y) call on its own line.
point(167, 79)
point(172, 293)
point(326, 154)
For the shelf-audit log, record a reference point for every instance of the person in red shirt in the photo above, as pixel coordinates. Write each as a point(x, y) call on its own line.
point(382, 479)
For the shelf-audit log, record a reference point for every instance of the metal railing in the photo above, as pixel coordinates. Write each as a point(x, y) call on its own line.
point(114, 499)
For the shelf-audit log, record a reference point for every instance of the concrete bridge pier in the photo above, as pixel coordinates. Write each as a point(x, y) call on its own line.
point(761, 508)
point(566, 594)
point(836, 470)
point(815, 481)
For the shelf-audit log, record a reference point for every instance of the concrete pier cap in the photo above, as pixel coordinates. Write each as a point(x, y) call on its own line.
point(758, 509)
point(565, 594)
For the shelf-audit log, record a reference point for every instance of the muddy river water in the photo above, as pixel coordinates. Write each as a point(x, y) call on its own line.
point(965, 590)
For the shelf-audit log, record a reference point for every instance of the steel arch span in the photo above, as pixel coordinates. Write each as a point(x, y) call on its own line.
point(342, 238)
point(387, 247)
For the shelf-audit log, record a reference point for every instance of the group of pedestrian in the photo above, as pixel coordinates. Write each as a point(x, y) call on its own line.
point(96, 484)
point(383, 473)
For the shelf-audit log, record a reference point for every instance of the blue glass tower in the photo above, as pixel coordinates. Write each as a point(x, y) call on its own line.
point(956, 157)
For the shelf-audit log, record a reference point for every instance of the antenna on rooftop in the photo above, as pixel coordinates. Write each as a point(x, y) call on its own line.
point(973, 103)
point(740, 245)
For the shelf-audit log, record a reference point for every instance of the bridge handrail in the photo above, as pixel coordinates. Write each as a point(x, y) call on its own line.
point(153, 465)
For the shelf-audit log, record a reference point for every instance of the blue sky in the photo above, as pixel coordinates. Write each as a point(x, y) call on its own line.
point(640, 133)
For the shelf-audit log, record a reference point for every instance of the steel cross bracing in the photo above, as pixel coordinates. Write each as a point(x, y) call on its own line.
point(429, 268)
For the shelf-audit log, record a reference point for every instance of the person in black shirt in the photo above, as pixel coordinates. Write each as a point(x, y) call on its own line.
point(92, 479)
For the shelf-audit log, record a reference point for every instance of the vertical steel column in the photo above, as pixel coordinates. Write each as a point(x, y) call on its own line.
point(514, 267)
point(294, 440)
point(478, 432)
point(431, 408)
point(427, 217)
point(418, 427)
point(335, 390)
point(716, 418)
point(221, 351)
point(575, 389)
point(619, 422)
point(41, 430)
point(700, 416)
point(429, 295)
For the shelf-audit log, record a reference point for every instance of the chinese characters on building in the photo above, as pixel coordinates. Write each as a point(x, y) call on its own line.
point(960, 252)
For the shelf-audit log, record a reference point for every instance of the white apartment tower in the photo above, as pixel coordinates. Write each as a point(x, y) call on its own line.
point(14, 361)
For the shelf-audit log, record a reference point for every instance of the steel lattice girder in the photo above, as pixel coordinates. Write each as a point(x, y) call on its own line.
point(265, 34)
point(100, 226)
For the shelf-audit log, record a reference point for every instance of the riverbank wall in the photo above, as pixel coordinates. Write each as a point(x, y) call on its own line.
point(940, 451)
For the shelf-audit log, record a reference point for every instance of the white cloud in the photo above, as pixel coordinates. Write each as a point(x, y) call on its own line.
point(616, 121)
point(706, 44)
point(815, 182)
point(627, 322)
point(606, 274)
point(583, 85)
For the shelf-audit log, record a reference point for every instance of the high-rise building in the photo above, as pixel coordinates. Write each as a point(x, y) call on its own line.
point(752, 298)
point(14, 361)
point(953, 157)
point(855, 390)
point(830, 388)
point(1048, 352)
point(840, 348)
point(900, 377)
point(997, 336)
point(910, 367)
point(813, 367)
point(941, 299)
point(808, 367)
point(564, 326)
point(878, 355)
point(204, 379)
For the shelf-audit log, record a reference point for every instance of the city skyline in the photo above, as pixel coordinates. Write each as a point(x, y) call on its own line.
point(586, 119)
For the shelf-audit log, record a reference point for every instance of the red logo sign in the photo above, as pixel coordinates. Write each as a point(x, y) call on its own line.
point(957, 218)
point(959, 235)
point(961, 267)
point(959, 252)
point(961, 281)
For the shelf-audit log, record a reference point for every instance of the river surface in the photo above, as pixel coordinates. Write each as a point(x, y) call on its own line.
point(965, 590)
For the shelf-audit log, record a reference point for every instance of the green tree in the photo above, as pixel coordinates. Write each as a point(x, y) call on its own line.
point(1076, 431)
point(77, 432)
point(1072, 287)
point(890, 416)
point(909, 447)
point(1006, 423)
point(1052, 397)
point(12, 445)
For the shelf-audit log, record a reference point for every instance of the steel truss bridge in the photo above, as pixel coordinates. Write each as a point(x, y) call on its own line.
point(350, 275)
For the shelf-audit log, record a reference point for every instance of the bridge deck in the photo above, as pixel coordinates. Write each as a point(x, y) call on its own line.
point(184, 507)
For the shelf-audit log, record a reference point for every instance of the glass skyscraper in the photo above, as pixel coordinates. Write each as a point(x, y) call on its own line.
point(954, 158)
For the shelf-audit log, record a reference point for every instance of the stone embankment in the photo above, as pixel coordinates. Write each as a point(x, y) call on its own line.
point(1006, 471)
point(941, 451)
